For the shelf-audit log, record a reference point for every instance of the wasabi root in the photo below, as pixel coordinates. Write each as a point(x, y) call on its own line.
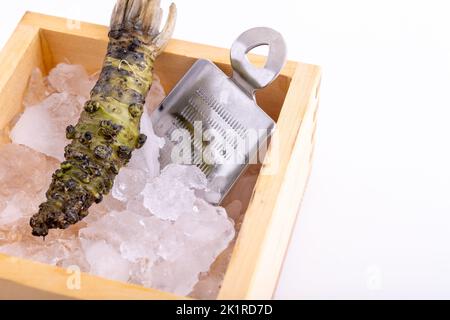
point(109, 127)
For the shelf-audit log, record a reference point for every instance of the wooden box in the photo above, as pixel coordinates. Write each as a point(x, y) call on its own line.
point(43, 41)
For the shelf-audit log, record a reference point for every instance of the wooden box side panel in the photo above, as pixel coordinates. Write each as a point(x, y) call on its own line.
point(20, 55)
point(84, 50)
point(34, 280)
point(262, 243)
point(288, 202)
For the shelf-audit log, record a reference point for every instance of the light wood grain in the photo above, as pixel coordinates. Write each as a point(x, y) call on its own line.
point(58, 283)
point(20, 55)
point(268, 223)
point(283, 217)
point(43, 41)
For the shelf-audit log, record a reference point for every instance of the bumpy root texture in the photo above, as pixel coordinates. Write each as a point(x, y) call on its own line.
point(109, 127)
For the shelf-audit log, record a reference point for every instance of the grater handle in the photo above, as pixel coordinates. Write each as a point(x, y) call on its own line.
point(245, 74)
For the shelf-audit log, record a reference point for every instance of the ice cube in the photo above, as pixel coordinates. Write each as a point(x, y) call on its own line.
point(105, 261)
point(168, 199)
point(108, 205)
point(151, 148)
point(195, 239)
point(42, 127)
point(144, 165)
point(190, 176)
point(173, 193)
point(53, 251)
point(112, 227)
point(19, 206)
point(128, 183)
point(65, 109)
point(38, 89)
point(177, 278)
point(136, 205)
point(24, 170)
point(71, 78)
point(133, 236)
point(210, 282)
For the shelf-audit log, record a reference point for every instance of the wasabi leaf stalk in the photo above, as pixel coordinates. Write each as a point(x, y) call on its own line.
point(108, 130)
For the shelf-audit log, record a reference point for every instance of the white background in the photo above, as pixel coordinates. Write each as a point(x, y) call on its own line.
point(375, 222)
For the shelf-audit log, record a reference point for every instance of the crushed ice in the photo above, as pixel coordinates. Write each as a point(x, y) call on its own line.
point(154, 229)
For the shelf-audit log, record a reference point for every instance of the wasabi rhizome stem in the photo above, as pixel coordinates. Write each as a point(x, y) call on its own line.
point(109, 127)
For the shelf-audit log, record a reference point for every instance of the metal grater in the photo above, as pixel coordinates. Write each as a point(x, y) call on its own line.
point(213, 121)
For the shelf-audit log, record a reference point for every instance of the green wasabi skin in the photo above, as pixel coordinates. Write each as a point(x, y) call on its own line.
point(108, 130)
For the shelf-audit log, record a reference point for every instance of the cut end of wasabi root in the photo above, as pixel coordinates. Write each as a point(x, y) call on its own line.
point(108, 131)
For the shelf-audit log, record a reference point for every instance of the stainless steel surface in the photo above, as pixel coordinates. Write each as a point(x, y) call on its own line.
point(249, 77)
point(219, 114)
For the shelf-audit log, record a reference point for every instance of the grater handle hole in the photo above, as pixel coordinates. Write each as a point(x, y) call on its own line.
point(245, 74)
point(259, 61)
